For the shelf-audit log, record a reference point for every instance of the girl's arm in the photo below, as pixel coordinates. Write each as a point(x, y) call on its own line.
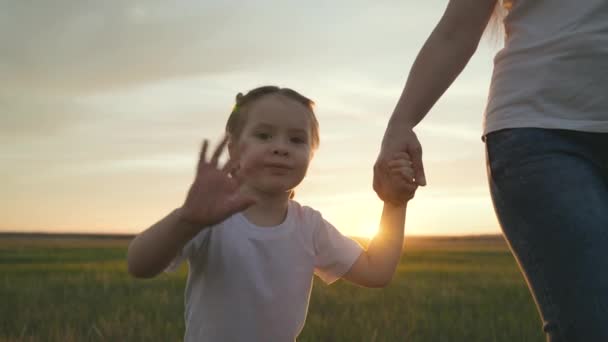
point(376, 266)
point(152, 251)
point(213, 197)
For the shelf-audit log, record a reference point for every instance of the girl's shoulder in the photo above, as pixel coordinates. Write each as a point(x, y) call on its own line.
point(302, 212)
point(306, 215)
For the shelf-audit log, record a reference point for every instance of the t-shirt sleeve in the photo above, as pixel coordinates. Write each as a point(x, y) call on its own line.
point(334, 252)
point(192, 248)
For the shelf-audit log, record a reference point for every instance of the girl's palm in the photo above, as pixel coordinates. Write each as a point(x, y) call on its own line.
point(214, 194)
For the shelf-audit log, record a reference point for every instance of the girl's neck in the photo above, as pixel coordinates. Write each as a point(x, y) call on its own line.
point(269, 210)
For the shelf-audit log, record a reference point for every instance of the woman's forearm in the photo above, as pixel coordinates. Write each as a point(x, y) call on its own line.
point(437, 65)
point(443, 56)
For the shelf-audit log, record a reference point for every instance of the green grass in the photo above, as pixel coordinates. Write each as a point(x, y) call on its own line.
point(445, 290)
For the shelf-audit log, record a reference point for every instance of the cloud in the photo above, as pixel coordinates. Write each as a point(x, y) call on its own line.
point(24, 117)
point(84, 46)
point(352, 57)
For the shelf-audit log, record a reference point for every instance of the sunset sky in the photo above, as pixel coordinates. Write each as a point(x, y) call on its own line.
point(103, 106)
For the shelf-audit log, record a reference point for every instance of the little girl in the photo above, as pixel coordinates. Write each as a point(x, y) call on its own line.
point(252, 250)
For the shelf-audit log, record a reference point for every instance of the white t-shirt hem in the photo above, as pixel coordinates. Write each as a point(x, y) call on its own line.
point(584, 126)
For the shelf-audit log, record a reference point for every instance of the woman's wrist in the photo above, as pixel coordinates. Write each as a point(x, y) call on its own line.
point(401, 122)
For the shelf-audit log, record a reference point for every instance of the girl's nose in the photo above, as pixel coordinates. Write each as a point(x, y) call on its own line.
point(280, 150)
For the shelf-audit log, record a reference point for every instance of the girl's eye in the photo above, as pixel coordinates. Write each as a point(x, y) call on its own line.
point(263, 136)
point(298, 140)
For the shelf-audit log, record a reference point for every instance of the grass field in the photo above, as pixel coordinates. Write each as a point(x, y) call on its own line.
point(446, 289)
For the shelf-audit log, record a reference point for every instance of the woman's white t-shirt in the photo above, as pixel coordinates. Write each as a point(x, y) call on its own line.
point(553, 70)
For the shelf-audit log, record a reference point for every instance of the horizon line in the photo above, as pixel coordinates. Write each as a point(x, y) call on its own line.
point(126, 235)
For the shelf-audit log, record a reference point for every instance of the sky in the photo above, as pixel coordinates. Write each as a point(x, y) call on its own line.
point(103, 107)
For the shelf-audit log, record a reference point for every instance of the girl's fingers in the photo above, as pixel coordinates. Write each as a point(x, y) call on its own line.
point(406, 173)
point(399, 163)
point(237, 176)
point(218, 152)
point(395, 163)
point(401, 167)
point(404, 186)
point(228, 166)
point(404, 189)
point(401, 155)
point(203, 155)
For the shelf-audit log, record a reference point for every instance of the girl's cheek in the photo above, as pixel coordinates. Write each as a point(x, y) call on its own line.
point(248, 164)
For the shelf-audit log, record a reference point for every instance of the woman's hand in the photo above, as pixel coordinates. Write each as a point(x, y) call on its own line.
point(398, 140)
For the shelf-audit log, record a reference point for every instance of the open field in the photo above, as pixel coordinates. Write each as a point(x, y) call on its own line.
point(72, 288)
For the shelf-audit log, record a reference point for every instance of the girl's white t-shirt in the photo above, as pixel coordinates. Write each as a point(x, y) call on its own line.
point(553, 70)
point(251, 283)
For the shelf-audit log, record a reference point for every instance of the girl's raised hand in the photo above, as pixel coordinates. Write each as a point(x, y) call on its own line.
point(214, 195)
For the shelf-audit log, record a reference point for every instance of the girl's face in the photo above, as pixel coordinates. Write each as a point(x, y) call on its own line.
point(273, 150)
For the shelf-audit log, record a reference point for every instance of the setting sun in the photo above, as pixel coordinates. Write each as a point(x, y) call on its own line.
point(367, 230)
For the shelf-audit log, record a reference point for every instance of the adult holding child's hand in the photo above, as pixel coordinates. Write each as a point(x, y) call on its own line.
point(396, 140)
point(546, 130)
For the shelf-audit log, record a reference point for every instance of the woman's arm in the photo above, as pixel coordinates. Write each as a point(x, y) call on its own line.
point(441, 59)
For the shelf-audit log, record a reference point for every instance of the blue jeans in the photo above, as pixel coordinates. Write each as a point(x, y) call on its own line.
point(550, 193)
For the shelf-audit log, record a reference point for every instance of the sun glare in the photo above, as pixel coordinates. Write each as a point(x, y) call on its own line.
point(367, 230)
